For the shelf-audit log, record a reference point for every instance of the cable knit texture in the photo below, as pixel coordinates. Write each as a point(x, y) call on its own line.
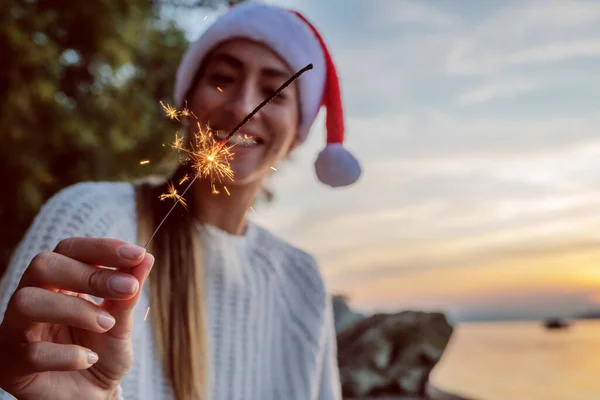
point(269, 315)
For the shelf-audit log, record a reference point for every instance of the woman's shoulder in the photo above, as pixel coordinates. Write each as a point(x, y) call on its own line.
point(300, 267)
point(91, 189)
point(90, 203)
point(92, 195)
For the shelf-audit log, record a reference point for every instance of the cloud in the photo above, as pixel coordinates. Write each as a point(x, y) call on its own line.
point(434, 133)
point(448, 213)
point(497, 90)
point(453, 241)
point(430, 181)
point(393, 12)
point(530, 32)
point(556, 52)
point(520, 18)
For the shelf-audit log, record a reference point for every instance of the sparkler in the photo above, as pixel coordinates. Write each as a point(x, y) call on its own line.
point(209, 156)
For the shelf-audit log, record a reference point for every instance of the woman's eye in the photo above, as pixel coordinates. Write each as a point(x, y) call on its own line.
point(271, 91)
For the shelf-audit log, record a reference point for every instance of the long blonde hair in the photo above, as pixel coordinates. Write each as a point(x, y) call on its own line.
point(176, 287)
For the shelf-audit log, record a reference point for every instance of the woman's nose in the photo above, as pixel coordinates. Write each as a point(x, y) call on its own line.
point(242, 102)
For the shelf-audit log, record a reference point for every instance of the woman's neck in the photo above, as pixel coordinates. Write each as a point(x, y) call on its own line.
point(226, 212)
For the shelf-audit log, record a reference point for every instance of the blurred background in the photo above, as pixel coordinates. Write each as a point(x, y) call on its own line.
point(468, 250)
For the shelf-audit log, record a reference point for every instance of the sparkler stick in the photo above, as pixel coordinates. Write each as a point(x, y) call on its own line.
point(172, 113)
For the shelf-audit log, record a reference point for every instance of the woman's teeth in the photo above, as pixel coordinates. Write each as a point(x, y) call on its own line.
point(244, 140)
point(239, 139)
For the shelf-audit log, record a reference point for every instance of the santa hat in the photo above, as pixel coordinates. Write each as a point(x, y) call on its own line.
point(298, 42)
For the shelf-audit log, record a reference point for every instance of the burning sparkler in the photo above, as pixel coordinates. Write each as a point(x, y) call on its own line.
point(208, 155)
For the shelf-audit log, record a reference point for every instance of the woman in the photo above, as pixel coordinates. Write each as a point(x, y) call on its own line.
point(234, 312)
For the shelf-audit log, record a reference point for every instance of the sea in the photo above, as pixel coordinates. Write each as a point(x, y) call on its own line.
point(522, 361)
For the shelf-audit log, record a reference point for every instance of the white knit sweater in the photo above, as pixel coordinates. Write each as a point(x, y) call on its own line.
point(270, 318)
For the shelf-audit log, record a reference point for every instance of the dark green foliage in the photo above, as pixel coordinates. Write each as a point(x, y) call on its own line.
point(80, 84)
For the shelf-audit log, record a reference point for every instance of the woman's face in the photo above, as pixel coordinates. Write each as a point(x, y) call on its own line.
point(236, 78)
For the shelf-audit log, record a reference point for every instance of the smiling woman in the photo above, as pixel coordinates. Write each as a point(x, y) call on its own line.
point(237, 76)
point(230, 311)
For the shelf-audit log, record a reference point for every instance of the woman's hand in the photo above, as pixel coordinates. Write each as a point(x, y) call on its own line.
point(55, 341)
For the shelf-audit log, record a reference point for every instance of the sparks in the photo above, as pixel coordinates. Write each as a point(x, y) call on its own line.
point(226, 190)
point(248, 140)
point(252, 209)
point(172, 194)
point(178, 142)
point(170, 111)
point(184, 179)
point(274, 169)
point(146, 316)
point(208, 156)
point(219, 89)
point(186, 112)
point(144, 162)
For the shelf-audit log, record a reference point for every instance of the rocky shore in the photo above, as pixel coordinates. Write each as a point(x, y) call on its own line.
point(389, 356)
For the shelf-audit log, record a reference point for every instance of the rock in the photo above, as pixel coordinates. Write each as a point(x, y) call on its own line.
point(413, 380)
point(360, 381)
point(388, 354)
point(382, 354)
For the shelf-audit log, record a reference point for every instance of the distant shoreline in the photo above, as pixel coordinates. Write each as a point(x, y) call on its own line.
point(577, 318)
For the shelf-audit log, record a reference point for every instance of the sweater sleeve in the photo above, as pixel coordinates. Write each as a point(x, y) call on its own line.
point(59, 218)
point(330, 387)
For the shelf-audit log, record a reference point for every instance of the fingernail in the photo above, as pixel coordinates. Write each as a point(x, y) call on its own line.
point(92, 357)
point(151, 260)
point(131, 252)
point(151, 265)
point(123, 284)
point(105, 320)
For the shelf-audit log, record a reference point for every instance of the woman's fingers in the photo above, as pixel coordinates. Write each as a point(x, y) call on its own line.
point(122, 310)
point(101, 251)
point(45, 356)
point(35, 305)
point(56, 271)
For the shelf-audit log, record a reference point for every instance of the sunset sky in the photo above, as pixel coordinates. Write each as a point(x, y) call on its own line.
point(478, 127)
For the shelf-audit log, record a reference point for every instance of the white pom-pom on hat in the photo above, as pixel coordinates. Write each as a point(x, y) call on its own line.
point(297, 41)
point(336, 167)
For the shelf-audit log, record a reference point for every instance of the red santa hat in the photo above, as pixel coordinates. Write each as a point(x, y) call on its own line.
point(298, 42)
